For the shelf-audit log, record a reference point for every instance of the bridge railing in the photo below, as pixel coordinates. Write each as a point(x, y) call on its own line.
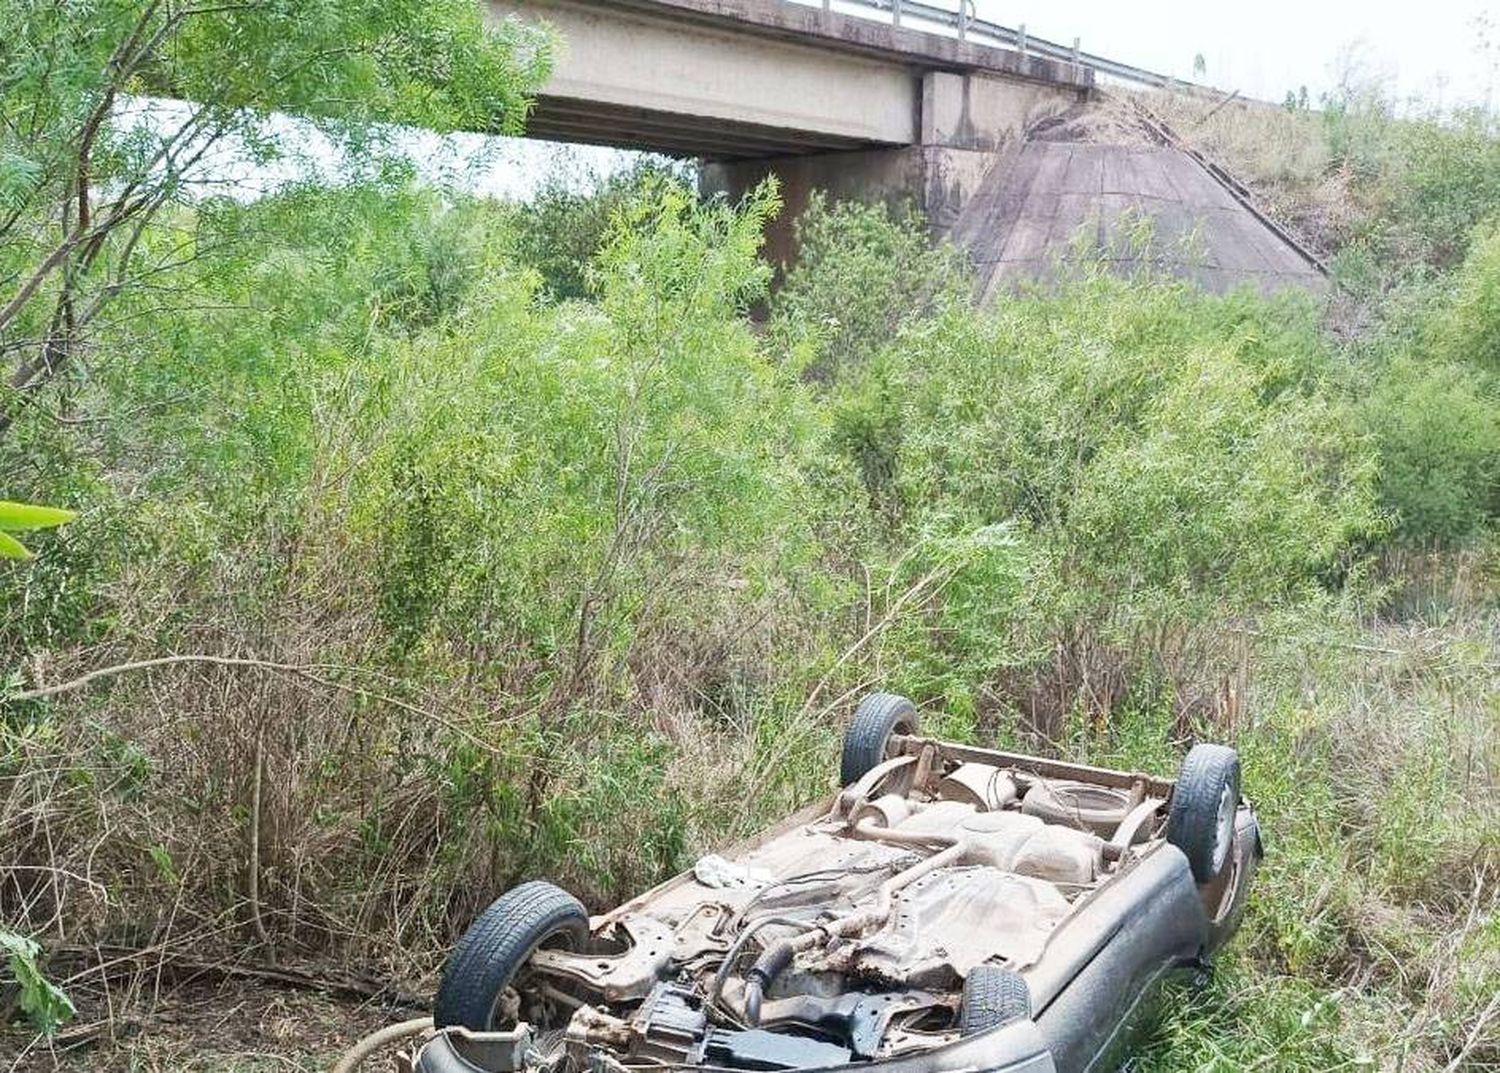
point(963, 22)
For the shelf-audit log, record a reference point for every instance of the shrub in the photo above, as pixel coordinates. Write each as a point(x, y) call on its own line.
point(1449, 182)
point(863, 271)
point(1436, 426)
point(1170, 461)
point(542, 474)
point(1464, 324)
point(1433, 403)
point(562, 227)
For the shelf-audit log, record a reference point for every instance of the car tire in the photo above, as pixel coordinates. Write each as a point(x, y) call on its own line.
point(993, 996)
point(497, 944)
point(878, 717)
point(1201, 819)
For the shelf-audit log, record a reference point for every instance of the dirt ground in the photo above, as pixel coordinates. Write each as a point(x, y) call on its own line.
point(224, 1025)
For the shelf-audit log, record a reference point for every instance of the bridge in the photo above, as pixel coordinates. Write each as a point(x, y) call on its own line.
point(929, 106)
point(737, 79)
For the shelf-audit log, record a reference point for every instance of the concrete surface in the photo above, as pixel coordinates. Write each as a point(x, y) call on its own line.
point(1049, 205)
point(937, 180)
point(756, 79)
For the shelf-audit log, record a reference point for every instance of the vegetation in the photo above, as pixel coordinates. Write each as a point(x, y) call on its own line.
point(20, 517)
point(1392, 196)
point(418, 552)
point(87, 162)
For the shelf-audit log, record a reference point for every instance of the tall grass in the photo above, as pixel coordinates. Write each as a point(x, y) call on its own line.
point(498, 582)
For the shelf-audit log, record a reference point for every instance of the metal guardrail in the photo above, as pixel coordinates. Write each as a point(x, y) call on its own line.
point(967, 26)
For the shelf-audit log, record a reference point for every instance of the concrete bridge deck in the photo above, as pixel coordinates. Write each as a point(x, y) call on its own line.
point(742, 79)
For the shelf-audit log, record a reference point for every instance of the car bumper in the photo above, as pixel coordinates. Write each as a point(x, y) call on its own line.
point(1013, 1048)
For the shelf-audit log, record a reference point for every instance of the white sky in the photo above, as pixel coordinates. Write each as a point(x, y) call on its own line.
point(1266, 47)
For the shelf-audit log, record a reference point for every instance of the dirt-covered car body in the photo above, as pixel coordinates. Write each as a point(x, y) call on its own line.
point(951, 908)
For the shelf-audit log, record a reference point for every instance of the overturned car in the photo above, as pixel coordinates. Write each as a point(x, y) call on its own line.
point(952, 908)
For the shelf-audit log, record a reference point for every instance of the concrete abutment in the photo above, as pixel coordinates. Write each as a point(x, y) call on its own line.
point(969, 125)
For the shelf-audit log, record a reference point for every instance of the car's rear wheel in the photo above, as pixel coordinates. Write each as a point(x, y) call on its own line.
point(1204, 803)
point(488, 958)
point(993, 996)
point(878, 717)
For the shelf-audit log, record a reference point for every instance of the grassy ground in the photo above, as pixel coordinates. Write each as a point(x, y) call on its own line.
point(1372, 940)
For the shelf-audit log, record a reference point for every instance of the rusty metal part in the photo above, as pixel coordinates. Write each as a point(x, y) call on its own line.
point(1100, 809)
point(947, 922)
point(705, 930)
point(904, 745)
point(1000, 842)
point(927, 762)
point(856, 794)
point(778, 956)
point(1134, 828)
point(618, 977)
point(590, 1027)
point(863, 1015)
point(887, 810)
point(716, 988)
point(984, 786)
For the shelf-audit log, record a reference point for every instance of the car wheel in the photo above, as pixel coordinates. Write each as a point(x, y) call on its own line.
point(1204, 803)
point(486, 960)
point(878, 717)
point(992, 997)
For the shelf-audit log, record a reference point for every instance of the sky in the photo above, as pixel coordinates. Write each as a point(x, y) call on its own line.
point(1437, 49)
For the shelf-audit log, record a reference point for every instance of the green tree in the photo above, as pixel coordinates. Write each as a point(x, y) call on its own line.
point(83, 173)
point(863, 272)
point(564, 225)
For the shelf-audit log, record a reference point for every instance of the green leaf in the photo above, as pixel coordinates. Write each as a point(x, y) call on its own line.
point(17, 517)
point(43, 1002)
point(11, 548)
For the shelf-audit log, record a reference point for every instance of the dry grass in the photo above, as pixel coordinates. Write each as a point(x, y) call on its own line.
point(229, 1027)
point(1375, 759)
point(1284, 156)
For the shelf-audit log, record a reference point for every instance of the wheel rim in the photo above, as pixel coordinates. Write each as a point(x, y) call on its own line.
point(1224, 829)
point(562, 937)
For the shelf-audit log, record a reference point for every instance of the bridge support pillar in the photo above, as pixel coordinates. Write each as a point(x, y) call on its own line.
point(937, 181)
point(969, 125)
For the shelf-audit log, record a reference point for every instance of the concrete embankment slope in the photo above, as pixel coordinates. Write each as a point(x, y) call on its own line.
point(1098, 187)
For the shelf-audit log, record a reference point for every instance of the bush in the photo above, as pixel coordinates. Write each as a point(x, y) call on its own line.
point(525, 587)
point(1449, 182)
point(501, 527)
point(863, 271)
point(1436, 426)
point(1433, 404)
point(545, 475)
point(1170, 462)
point(1464, 324)
point(561, 228)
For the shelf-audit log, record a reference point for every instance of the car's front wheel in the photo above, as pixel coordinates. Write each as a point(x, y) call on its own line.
point(1204, 803)
point(487, 960)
